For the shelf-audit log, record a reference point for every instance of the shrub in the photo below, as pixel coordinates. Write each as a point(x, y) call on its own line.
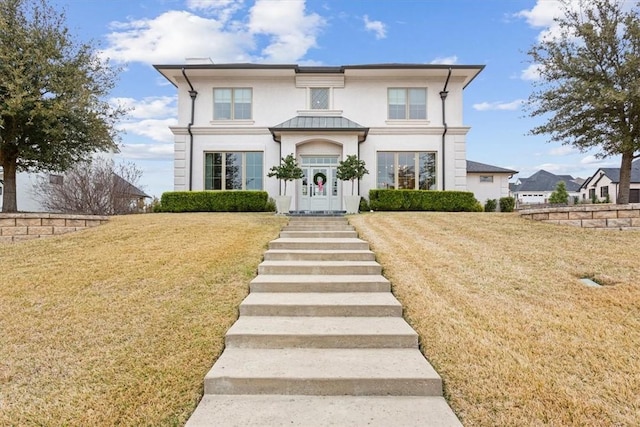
point(364, 205)
point(423, 200)
point(490, 205)
point(271, 205)
point(507, 204)
point(214, 201)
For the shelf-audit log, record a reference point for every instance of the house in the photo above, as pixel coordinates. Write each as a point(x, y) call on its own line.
point(488, 182)
point(28, 201)
point(604, 183)
point(236, 121)
point(538, 187)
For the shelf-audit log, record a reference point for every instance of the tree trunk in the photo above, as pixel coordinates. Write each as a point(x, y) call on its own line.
point(9, 187)
point(625, 178)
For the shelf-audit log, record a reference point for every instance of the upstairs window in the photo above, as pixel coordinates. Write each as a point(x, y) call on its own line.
point(319, 98)
point(407, 104)
point(232, 104)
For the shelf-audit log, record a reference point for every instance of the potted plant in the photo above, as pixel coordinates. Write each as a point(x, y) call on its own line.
point(351, 169)
point(287, 170)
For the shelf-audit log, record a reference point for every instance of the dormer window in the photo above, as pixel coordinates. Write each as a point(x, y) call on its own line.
point(319, 98)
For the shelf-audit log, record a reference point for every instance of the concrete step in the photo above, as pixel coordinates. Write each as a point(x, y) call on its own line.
point(320, 218)
point(360, 304)
point(318, 283)
point(318, 255)
point(320, 332)
point(319, 244)
point(319, 267)
point(318, 227)
point(323, 372)
point(322, 411)
point(319, 234)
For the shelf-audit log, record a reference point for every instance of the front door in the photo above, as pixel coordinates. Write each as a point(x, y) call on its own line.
point(319, 187)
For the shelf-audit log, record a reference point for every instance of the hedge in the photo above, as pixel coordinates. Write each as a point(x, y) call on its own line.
point(423, 200)
point(214, 201)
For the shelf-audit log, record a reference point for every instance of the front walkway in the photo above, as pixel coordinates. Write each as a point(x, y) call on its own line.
point(321, 341)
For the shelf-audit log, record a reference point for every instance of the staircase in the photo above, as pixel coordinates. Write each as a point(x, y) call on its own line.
point(321, 341)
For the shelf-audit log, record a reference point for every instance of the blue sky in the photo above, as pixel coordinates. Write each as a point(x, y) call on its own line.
point(136, 34)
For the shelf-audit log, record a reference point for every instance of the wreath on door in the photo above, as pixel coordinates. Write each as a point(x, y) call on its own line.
point(319, 175)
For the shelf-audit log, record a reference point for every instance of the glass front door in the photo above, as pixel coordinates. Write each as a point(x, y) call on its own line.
point(319, 189)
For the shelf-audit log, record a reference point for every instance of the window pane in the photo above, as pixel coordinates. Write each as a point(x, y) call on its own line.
point(319, 99)
point(213, 171)
point(418, 104)
point(397, 104)
point(428, 171)
point(241, 104)
point(386, 171)
point(233, 171)
point(253, 167)
point(407, 170)
point(222, 104)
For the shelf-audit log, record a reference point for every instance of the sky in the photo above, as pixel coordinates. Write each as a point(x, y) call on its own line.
point(135, 34)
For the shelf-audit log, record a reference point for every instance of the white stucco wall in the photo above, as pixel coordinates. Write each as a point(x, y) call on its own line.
point(357, 95)
point(484, 191)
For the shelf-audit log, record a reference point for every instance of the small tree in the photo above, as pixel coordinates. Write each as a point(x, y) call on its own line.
point(53, 106)
point(351, 169)
point(98, 187)
point(287, 170)
point(560, 195)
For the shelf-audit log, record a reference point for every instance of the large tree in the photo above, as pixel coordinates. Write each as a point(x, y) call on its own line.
point(589, 91)
point(53, 107)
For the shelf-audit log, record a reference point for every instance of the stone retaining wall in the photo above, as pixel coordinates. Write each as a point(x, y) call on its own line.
point(607, 216)
point(24, 226)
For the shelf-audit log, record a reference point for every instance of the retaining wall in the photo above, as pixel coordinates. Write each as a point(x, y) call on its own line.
point(607, 216)
point(24, 226)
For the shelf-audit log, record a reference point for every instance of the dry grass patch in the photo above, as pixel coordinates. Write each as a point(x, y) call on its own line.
point(117, 325)
point(502, 315)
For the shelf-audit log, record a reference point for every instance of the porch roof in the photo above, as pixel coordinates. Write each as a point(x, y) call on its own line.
point(319, 124)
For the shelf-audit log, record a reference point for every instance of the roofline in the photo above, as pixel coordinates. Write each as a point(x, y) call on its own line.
point(302, 69)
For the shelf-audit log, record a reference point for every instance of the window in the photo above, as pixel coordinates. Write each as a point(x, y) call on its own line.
point(319, 98)
point(55, 179)
point(232, 104)
point(233, 171)
point(592, 193)
point(604, 191)
point(486, 178)
point(407, 104)
point(406, 170)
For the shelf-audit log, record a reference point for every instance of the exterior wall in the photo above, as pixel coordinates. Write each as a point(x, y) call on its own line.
point(26, 226)
point(488, 190)
point(25, 199)
point(279, 96)
point(608, 216)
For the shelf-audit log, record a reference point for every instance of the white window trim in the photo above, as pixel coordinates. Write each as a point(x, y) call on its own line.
point(232, 120)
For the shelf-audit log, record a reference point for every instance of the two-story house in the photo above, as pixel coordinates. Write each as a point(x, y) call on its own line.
point(236, 121)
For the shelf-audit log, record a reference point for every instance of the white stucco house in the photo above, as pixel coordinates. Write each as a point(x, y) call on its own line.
point(236, 121)
point(487, 181)
point(605, 182)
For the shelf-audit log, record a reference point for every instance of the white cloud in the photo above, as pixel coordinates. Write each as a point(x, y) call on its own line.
point(158, 151)
point(155, 129)
point(532, 72)
point(563, 150)
point(292, 32)
point(447, 60)
point(209, 30)
point(499, 106)
point(377, 27)
point(150, 107)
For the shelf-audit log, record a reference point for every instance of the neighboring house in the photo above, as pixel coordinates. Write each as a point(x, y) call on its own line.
point(236, 121)
point(27, 201)
point(538, 187)
point(605, 182)
point(488, 182)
